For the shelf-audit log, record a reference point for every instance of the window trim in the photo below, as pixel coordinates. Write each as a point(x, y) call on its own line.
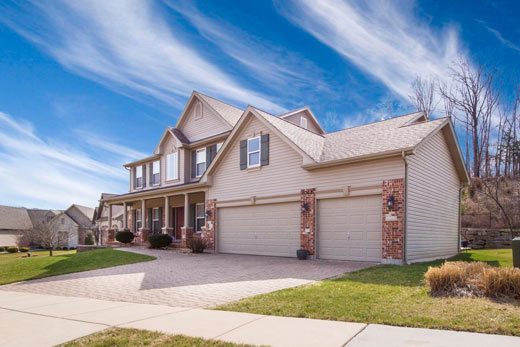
point(138, 219)
point(137, 185)
point(176, 168)
point(304, 123)
point(197, 162)
point(154, 173)
point(259, 151)
point(197, 217)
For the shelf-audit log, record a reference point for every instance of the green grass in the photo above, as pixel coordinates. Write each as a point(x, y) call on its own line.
point(15, 268)
point(133, 337)
point(393, 295)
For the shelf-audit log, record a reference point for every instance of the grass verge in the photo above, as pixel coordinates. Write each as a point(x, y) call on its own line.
point(15, 268)
point(393, 295)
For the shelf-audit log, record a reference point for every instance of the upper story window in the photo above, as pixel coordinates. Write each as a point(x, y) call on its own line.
point(139, 177)
point(156, 173)
point(172, 166)
point(253, 152)
point(200, 158)
point(303, 122)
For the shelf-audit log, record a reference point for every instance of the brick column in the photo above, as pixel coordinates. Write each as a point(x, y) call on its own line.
point(211, 223)
point(393, 222)
point(308, 220)
point(186, 236)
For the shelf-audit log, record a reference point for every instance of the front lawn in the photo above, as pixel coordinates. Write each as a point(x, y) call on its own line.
point(393, 295)
point(132, 337)
point(14, 268)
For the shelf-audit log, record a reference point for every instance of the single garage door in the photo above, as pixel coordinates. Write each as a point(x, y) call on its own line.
point(350, 228)
point(270, 229)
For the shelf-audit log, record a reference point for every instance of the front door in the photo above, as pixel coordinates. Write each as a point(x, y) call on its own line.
point(179, 222)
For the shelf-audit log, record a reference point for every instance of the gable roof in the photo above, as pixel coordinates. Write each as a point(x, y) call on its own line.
point(84, 210)
point(38, 216)
point(230, 113)
point(304, 109)
point(14, 218)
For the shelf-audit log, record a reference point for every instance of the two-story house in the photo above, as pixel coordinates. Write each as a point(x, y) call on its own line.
point(254, 183)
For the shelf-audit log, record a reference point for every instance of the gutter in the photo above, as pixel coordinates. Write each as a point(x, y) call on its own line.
point(361, 158)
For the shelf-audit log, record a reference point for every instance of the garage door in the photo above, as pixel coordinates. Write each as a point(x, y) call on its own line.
point(272, 229)
point(350, 228)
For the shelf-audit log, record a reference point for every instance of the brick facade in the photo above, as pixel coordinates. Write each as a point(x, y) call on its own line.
point(186, 236)
point(308, 220)
point(393, 221)
point(211, 223)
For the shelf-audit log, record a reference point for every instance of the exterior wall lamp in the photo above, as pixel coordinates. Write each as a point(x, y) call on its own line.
point(390, 202)
point(208, 213)
point(305, 207)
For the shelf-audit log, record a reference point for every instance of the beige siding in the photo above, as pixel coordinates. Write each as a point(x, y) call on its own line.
point(284, 174)
point(9, 238)
point(210, 124)
point(311, 125)
point(432, 202)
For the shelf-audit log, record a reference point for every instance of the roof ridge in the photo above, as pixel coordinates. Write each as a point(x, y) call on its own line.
point(226, 103)
point(285, 120)
point(378, 121)
point(295, 110)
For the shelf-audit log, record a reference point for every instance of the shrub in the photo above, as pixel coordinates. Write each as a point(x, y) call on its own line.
point(24, 249)
point(473, 279)
point(12, 249)
point(89, 239)
point(198, 245)
point(159, 240)
point(125, 236)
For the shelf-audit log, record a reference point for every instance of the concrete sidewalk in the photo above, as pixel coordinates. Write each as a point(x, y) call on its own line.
point(47, 320)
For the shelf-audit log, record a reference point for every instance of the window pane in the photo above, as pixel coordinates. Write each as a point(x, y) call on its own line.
point(139, 182)
point(200, 223)
point(155, 213)
point(200, 169)
point(171, 170)
point(254, 158)
point(253, 144)
point(156, 166)
point(201, 156)
point(156, 178)
point(139, 172)
point(200, 210)
point(218, 146)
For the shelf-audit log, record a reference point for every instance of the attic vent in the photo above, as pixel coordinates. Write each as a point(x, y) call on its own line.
point(198, 110)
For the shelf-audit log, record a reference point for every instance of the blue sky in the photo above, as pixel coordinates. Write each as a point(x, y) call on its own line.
point(86, 86)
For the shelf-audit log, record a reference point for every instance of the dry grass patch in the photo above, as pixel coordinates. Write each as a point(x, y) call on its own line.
point(476, 279)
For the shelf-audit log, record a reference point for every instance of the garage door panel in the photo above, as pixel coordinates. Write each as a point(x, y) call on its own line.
point(350, 228)
point(271, 229)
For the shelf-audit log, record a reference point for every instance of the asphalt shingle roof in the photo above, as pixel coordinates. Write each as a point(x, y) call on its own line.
point(231, 114)
point(14, 218)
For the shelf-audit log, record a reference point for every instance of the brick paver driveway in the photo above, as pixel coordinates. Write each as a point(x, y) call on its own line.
point(190, 280)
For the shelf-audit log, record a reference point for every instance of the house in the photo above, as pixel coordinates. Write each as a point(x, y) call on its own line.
point(249, 182)
point(14, 221)
point(73, 224)
point(101, 218)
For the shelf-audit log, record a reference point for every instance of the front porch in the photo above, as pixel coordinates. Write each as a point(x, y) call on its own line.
point(183, 216)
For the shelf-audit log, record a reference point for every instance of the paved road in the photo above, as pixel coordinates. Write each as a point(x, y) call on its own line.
point(28, 319)
point(188, 280)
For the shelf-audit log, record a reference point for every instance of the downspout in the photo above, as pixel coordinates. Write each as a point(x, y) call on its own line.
point(460, 219)
point(405, 204)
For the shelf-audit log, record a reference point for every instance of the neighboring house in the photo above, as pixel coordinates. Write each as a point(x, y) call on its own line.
point(101, 215)
point(250, 182)
point(73, 224)
point(14, 221)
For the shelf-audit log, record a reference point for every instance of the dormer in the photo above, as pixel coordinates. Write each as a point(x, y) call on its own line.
point(304, 118)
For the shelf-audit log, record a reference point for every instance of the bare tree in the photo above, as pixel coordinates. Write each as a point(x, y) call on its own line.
point(475, 97)
point(424, 95)
point(45, 234)
point(502, 192)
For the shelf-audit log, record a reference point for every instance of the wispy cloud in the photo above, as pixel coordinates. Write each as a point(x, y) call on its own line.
point(123, 152)
point(126, 45)
point(501, 38)
point(39, 173)
point(383, 38)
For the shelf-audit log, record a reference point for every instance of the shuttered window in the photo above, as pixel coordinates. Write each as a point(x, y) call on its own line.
point(253, 152)
point(156, 173)
point(156, 220)
point(172, 166)
point(138, 219)
point(200, 162)
point(139, 177)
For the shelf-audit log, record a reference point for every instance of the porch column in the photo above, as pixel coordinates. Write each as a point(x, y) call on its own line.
point(186, 230)
point(125, 217)
point(111, 233)
point(167, 226)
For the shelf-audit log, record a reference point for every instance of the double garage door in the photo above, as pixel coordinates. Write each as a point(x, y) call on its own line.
point(348, 229)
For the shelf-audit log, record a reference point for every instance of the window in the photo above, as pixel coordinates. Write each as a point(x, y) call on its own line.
point(139, 177)
point(303, 122)
point(156, 227)
point(156, 173)
point(219, 145)
point(138, 222)
point(253, 152)
point(200, 219)
point(201, 162)
point(172, 166)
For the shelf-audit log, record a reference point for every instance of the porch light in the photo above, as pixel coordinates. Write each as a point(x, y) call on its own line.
point(208, 213)
point(305, 207)
point(390, 202)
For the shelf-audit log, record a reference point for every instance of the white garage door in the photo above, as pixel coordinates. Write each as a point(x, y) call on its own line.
point(271, 229)
point(350, 228)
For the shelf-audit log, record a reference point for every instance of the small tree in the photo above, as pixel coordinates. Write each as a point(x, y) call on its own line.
point(89, 238)
point(505, 197)
point(44, 234)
